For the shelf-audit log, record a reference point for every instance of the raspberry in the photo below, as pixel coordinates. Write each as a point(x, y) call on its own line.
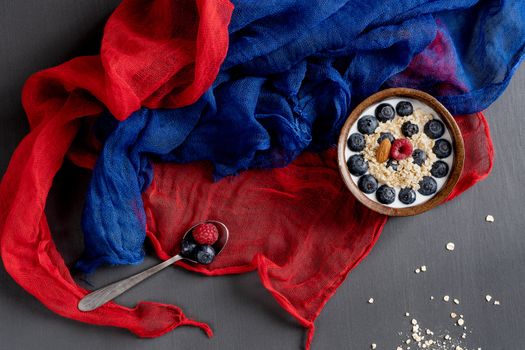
point(205, 234)
point(401, 149)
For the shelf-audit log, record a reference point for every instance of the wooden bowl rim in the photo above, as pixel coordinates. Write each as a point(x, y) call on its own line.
point(457, 164)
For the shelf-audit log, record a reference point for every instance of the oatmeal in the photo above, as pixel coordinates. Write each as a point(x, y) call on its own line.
point(399, 152)
point(408, 174)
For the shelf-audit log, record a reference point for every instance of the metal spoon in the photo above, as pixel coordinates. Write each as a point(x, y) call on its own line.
point(101, 296)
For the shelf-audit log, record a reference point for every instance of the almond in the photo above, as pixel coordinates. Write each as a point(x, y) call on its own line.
point(383, 151)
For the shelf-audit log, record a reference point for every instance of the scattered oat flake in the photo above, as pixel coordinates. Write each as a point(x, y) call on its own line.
point(417, 271)
point(414, 321)
point(488, 297)
point(446, 298)
point(407, 314)
point(399, 348)
point(496, 302)
point(464, 335)
point(373, 346)
point(371, 300)
point(450, 246)
point(459, 348)
point(424, 268)
point(489, 218)
point(456, 301)
point(431, 297)
point(461, 322)
point(453, 315)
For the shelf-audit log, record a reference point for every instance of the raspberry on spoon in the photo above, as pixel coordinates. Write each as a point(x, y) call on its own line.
point(206, 234)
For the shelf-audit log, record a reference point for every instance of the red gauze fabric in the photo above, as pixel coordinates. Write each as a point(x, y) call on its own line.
point(265, 209)
point(125, 76)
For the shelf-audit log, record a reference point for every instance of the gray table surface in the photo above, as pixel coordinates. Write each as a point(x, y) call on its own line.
point(489, 258)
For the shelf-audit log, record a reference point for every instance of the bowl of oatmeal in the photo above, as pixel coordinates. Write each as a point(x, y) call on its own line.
point(400, 152)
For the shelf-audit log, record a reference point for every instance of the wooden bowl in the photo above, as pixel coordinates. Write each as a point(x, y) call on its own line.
point(457, 143)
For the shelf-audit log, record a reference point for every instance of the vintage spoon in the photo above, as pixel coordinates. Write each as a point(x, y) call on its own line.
point(101, 296)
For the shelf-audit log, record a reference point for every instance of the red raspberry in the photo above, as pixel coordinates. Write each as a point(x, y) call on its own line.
point(401, 149)
point(205, 234)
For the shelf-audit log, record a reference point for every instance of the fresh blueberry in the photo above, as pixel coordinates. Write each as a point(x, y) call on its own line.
point(367, 184)
point(392, 163)
point(357, 165)
point(442, 148)
point(188, 247)
point(385, 194)
point(367, 124)
point(439, 169)
point(407, 195)
point(434, 129)
point(409, 129)
point(205, 254)
point(356, 142)
point(419, 156)
point(385, 112)
point(427, 186)
point(386, 135)
point(404, 108)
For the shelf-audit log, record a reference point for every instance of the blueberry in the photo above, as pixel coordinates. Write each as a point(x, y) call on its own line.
point(385, 112)
point(407, 195)
point(386, 135)
point(357, 165)
point(439, 169)
point(442, 148)
point(427, 186)
point(419, 156)
point(434, 129)
point(356, 142)
point(205, 254)
point(188, 247)
point(367, 184)
point(404, 108)
point(392, 163)
point(385, 194)
point(409, 129)
point(367, 124)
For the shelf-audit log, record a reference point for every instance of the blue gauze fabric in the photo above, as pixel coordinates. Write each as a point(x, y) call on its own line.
point(293, 72)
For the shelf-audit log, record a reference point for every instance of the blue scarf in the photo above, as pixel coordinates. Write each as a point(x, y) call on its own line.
point(293, 72)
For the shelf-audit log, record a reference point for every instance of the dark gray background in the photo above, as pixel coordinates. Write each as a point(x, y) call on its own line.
point(489, 258)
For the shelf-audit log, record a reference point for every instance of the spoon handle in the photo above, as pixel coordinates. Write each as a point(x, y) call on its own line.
point(101, 296)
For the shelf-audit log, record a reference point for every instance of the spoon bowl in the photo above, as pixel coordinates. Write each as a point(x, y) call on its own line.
point(103, 295)
point(218, 246)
